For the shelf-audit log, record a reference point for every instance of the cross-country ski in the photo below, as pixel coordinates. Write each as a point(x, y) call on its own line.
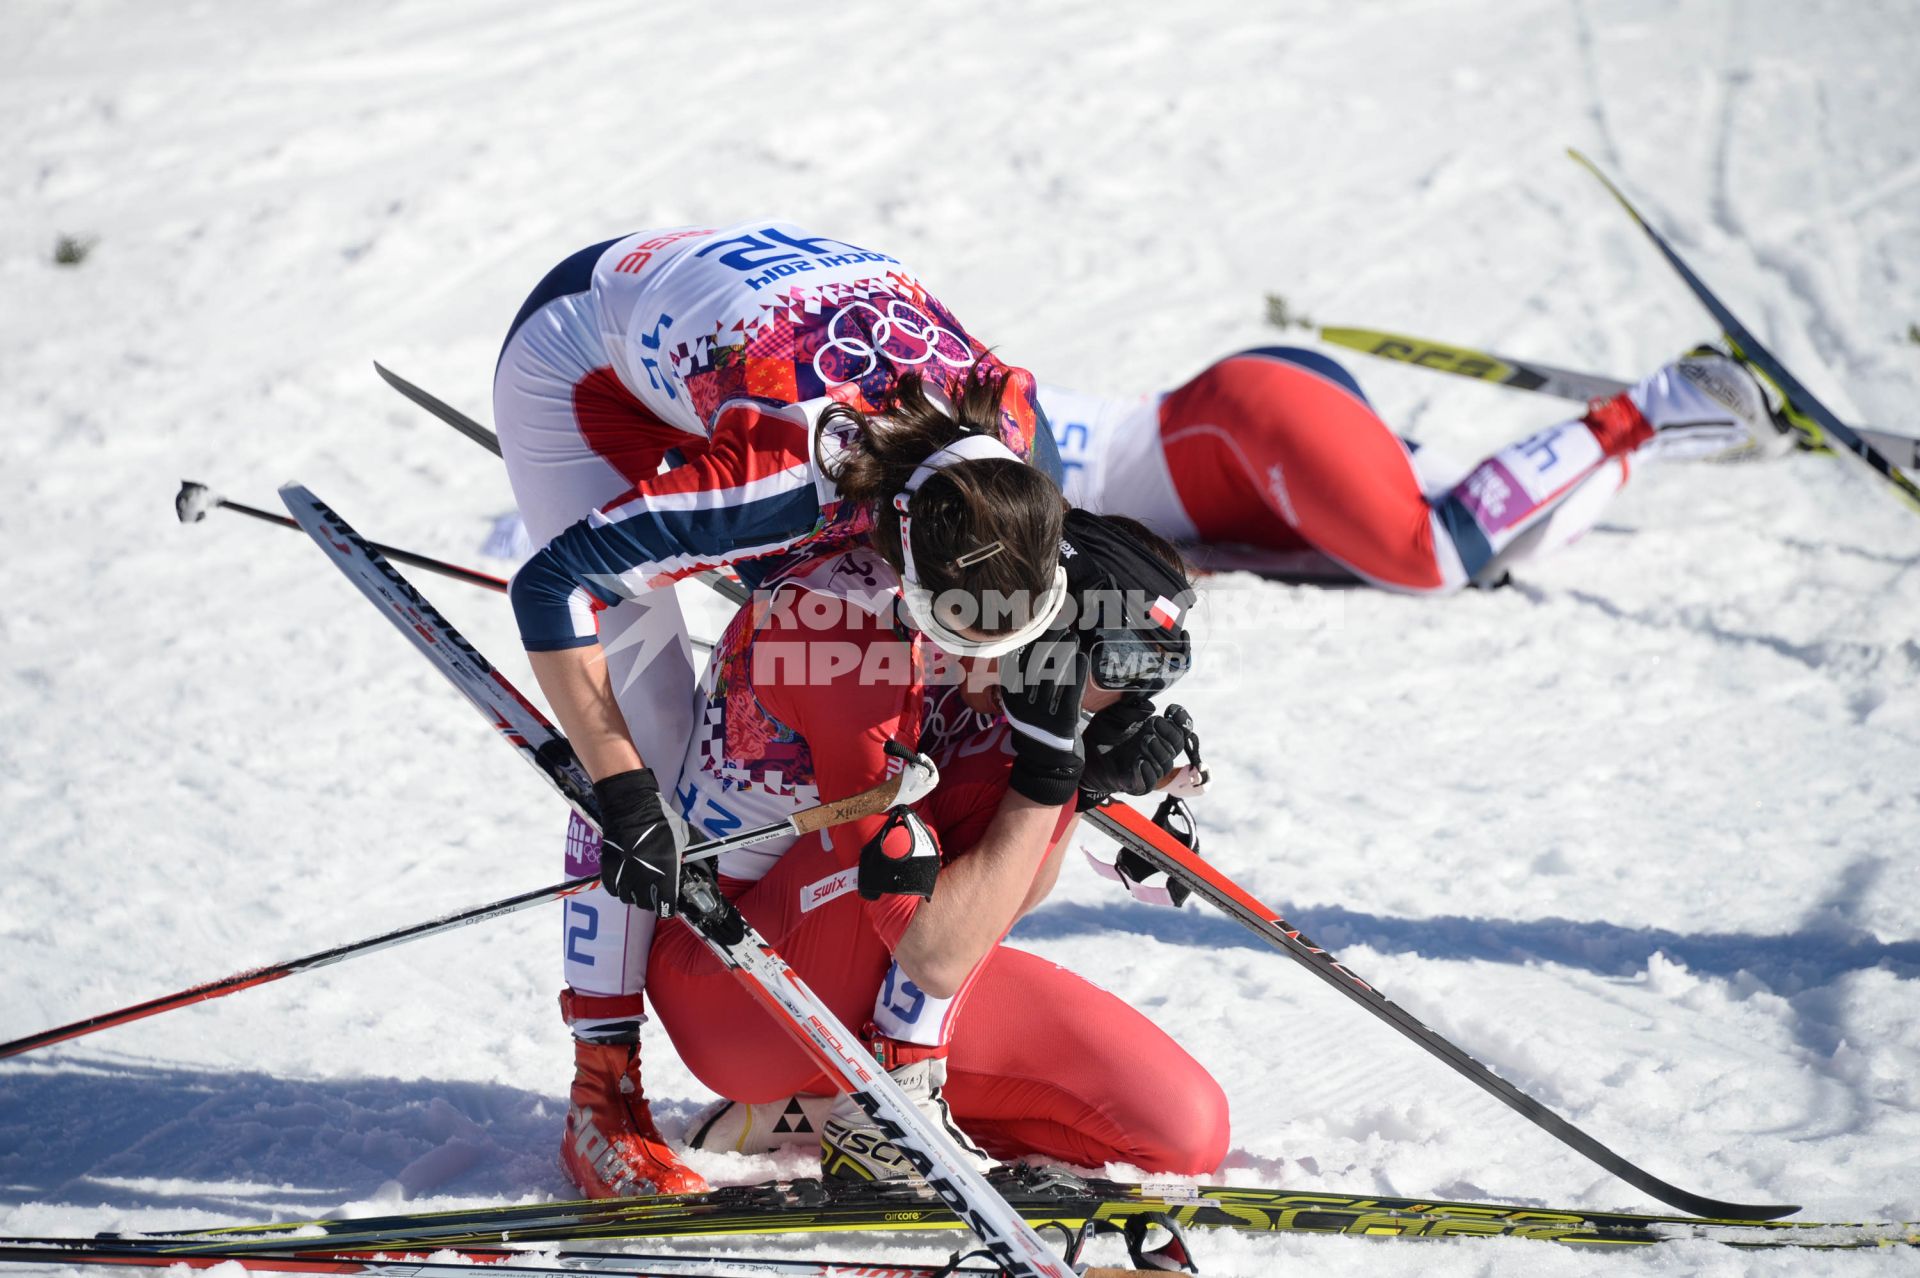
point(1044, 1198)
point(1064, 755)
point(1516, 373)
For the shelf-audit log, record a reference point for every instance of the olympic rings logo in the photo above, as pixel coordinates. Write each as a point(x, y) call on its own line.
point(904, 334)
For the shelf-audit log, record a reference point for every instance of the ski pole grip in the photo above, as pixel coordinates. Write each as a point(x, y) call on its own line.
point(914, 782)
point(1185, 782)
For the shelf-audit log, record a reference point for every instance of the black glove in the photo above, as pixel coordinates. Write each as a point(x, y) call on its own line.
point(1130, 749)
point(639, 845)
point(1040, 687)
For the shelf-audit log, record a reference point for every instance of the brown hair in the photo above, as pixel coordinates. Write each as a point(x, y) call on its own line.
point(962, 509)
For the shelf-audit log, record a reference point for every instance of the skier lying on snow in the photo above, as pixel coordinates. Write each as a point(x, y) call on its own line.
point(1278, 448)
point(763, 398)
point(717, 354)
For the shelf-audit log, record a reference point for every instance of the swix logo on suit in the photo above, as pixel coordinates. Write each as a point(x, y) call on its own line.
point(831, 888)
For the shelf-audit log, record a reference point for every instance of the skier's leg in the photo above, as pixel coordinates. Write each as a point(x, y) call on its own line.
point(610, 1145)
point(1543, 492)
point(1515, 504)
point(1042, 1061)
point(1047, 1063)
point(1277, 448)
point(1279, 442)
point(775, 1094)
point(573, 440)
point(808, 909)
point(1052, 1064)
point(569, 429)
point(1565, 520)
point(841, 945)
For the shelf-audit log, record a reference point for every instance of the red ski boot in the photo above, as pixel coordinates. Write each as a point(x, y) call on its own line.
point(611, 1147)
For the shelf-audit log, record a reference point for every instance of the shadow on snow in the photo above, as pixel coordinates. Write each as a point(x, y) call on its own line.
point(1787, 963)
point(103, 1133)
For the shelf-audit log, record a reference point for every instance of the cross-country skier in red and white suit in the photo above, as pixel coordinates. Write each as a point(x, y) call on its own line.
point(805, 689)
point(656, 400)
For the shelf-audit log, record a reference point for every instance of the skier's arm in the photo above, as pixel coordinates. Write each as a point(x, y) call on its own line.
point(1043, 882)
point(982, 892)
point(577, 687)
point(751, 491)
point(980, 895)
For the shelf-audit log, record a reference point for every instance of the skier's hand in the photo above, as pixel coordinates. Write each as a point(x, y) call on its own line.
point(639, 842)
point(1130, 749)
point(1040, 689)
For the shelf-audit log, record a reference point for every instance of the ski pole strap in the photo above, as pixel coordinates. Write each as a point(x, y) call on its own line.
point(1173, 1254)
point(901, 859)
point(1143, 880)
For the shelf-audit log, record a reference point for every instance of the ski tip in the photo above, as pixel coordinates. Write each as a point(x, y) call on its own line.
point(1738, 1213)
point(1579, 157)
point(394, 380)
point(1777, 1213)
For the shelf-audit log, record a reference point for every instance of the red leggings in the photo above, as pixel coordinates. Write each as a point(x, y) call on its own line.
point(1042, 1061)
point(1278, 448)
point(1267, 451)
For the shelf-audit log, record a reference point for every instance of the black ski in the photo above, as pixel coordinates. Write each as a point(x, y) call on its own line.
point(486, 1262)
point(1806, 413)
point(1481, 366)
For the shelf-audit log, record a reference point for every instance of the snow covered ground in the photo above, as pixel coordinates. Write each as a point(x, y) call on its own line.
point(1639, 832)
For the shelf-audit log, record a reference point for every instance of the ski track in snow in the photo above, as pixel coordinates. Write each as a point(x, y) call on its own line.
point(1637, 833)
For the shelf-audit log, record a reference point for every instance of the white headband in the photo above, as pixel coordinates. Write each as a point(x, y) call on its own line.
point(919, 600)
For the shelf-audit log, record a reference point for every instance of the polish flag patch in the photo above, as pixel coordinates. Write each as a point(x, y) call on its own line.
point(1165, 612)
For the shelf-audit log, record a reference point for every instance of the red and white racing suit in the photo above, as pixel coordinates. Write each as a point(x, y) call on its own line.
point(1278, 448)
point(803, 692)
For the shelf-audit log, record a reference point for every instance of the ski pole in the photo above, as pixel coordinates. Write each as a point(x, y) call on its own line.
point(194, 500)
point(917, 778)
point(487, 439)
point(440, 408)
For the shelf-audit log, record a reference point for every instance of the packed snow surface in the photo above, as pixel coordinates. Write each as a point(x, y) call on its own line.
point(1638, 832)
